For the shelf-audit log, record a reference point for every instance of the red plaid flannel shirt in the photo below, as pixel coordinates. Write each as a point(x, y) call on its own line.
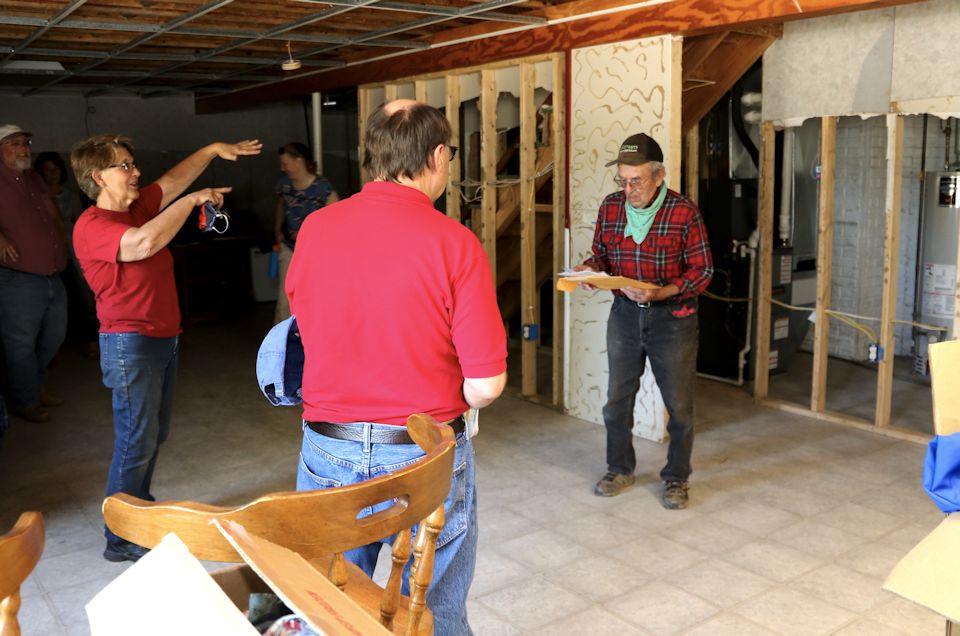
point(675, 250)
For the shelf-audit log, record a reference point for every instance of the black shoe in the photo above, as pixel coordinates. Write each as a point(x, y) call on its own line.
point(123, 551)
point(675, 495)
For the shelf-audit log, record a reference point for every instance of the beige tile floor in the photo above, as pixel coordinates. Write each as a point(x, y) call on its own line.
point(793, 523)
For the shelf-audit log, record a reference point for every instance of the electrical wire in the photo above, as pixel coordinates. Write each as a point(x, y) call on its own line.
point(846, 318)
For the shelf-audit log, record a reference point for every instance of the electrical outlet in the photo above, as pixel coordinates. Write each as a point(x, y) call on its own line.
point(874, 352)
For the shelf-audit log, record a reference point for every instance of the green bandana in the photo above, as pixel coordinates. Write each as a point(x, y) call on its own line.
point(640, 220)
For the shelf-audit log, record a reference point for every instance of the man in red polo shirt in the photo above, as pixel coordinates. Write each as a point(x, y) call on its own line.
point(398, 314)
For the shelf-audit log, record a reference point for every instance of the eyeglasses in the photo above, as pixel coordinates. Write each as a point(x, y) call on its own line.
point(635, 182)
point(24, 142)
point(453, 152)
point(126, 166)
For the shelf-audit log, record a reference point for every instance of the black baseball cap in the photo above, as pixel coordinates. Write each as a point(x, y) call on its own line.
point(637, 150)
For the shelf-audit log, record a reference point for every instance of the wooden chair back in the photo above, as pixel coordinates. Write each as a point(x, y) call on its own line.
point(20, 551)
point(321, 524)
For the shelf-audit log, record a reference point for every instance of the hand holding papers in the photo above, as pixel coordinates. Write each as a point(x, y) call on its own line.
point(568, 281)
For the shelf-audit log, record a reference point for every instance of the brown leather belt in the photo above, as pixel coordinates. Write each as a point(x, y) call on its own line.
point(354, 433)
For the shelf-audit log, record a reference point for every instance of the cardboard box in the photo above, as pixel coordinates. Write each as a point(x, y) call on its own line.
point(945, 385)
point(169, 592)
point(930, 573)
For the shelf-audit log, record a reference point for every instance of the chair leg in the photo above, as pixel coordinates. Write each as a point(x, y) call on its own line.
point(390, 600)
point(8, 615)
point(338, 571)
point(421, 573)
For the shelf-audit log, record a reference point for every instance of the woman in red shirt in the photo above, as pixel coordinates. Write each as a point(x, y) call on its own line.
point(121, 245)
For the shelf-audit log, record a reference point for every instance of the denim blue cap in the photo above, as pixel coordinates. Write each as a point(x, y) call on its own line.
point(280, 364)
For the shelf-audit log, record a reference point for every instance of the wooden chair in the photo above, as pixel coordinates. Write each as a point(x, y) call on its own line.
point(320, 525)
point(20, 551)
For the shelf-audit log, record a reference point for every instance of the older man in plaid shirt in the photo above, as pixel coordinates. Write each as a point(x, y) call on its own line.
point(648, 232)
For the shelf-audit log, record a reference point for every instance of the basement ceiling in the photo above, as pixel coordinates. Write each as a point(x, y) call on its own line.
point(155, 47)
point(231, 52)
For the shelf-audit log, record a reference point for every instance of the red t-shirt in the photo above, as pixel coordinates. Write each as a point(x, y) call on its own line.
point(396, 305)
point(140, 296)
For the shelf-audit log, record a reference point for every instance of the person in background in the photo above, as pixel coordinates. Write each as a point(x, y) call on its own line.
point(413, 328)
point(300, 192)
point(82, 315)
point(33, 302)
point(648, 232)
point(121, 244)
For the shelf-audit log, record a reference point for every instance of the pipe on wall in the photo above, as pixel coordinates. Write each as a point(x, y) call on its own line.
point(786, 188)
point(316, 113)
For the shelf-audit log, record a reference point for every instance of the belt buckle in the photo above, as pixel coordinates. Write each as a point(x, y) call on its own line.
point(645, 305)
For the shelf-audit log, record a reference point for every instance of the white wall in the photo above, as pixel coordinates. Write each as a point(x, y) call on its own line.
point(861, 63)
point(616, 90)
point(164, 130)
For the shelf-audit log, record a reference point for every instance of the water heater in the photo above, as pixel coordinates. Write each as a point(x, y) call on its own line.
point(941, 233)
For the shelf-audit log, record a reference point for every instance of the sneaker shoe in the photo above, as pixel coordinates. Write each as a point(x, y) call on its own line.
point(675, 495)
point(612, 484)
point(33, 413)
point(50, 399)
point(118, 551)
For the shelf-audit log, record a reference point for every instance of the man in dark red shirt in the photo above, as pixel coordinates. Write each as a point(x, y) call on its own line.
point(33, 301)
point(398, 314)
point(650, 233)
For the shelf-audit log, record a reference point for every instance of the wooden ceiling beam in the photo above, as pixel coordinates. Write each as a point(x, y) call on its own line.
point(698, 50)
point(724, 70)
point(685, 17)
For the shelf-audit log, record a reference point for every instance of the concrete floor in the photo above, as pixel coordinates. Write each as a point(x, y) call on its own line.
point(792, 528)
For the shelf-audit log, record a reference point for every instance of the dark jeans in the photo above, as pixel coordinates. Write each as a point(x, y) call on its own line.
point(33, 322)
point(141, 372)
point(634, 334)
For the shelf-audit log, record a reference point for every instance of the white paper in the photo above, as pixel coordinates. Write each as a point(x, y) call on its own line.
point(165, 592)
point(569, 273)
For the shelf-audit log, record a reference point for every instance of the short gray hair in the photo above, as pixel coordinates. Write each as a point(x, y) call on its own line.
point(95, 154)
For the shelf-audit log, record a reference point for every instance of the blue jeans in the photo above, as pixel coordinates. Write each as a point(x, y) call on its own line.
point(635, 333)
point(328, 463)
point(33, 323)
point(141, 372)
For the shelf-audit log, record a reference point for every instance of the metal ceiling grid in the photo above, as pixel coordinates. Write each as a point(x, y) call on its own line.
point(211, 47)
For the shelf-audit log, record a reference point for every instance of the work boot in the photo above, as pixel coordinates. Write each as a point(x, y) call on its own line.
point(612, 484)
point(675, 495)
point(50, 399)
point(33, 413)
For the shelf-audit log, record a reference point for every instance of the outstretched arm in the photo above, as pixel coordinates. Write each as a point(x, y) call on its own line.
point(179, 177)
point(139, 243)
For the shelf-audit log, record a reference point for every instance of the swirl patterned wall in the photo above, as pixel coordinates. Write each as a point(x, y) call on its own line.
point(616, 90)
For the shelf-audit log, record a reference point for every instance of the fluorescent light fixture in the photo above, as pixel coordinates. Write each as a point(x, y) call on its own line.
point(35, 66)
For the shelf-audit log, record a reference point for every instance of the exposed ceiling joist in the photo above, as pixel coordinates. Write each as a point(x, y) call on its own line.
point(234, 48)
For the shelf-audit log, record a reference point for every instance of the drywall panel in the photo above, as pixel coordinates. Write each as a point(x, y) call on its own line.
point(865, 63)
point(837, 65)
point(927, 51)
point(617, 90)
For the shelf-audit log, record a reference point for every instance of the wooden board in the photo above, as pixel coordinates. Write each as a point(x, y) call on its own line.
point(828, 168)
point(761, 293)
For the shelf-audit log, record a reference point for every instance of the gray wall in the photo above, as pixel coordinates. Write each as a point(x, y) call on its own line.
point(164, 131)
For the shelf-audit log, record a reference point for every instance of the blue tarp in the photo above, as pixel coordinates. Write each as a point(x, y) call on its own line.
point(941, 472)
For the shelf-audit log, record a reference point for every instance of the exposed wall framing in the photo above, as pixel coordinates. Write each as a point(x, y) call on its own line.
point(503, 205)
point(817, 409)
point(828, 170)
